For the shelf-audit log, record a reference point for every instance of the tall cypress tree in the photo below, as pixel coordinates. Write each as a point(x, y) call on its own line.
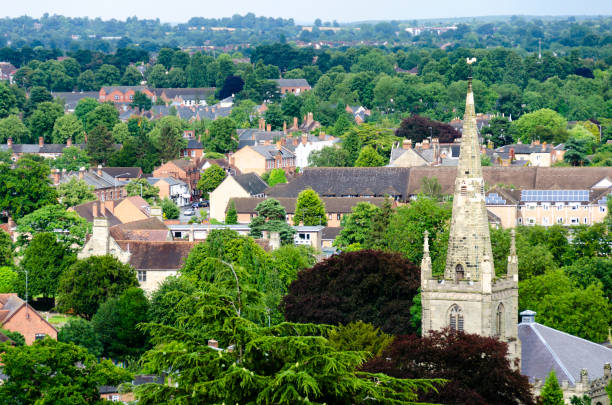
point(551, 393)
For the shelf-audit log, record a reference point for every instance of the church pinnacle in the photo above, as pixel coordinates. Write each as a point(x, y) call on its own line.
point(469, 246)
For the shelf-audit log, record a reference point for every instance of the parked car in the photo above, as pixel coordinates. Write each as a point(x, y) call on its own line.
point(189, 213)
point(200, 204)
point(195, 205)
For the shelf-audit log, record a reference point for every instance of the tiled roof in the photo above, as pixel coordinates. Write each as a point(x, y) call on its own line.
point(148, 255)
point(251, 183)
point(270, 151)
point(189, 93)
point(330, 232)
point(524, 149)
point(123, 89)
point(545, 349)
point(150, 229)
point(85, 210)
point(9, 304)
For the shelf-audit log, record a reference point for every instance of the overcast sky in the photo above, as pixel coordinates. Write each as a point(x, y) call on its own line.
point(303, 11)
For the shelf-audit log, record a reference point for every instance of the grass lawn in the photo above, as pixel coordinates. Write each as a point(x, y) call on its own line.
point(59, 320)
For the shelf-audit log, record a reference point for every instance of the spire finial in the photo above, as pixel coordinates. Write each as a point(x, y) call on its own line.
point(513, 243)
point(426, 242)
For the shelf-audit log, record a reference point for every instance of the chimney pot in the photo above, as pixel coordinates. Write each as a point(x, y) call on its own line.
point(9, 142)
point(213, 343)
point(295, 122)
point(100, 170)
point(69, 142)
point(284, 127)
point(268, 127)
point(41, 141)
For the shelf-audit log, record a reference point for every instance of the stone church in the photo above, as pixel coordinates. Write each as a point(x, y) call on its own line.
point(471, 298)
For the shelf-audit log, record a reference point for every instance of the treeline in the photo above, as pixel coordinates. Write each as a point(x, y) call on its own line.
point(556, 33)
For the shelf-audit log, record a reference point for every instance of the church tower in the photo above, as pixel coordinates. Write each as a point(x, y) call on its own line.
point(469, 297)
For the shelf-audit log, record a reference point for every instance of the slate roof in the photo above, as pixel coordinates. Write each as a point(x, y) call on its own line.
point(332, 204)
point(85, 210)
point(123, 89)
point(152, 255)
point(270, 151)
point(347, 181)
point(291, 82)
point(526, 148)
point(36, 148)
point(545, 349)
point(404, 181)
point(170, 180)
point(251, 183)
point(92, 178)
point(189, 92)
point(71, 98)
point(330, 232)
point(124, 172)
point(194, 144)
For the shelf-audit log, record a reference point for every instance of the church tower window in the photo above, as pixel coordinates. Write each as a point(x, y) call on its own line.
point(499, 321)
point(459, 272)
point(456, 318)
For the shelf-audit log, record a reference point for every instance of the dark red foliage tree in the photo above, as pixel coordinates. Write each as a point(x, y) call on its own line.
point(477, 368)
point(367, 285)
point(416, 128)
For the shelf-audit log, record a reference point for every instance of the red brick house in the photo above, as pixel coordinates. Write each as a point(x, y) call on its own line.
point(295, 86)
point(181, 169)
point(17, 316)
point(122, 94)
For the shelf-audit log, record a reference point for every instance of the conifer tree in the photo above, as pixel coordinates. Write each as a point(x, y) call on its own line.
point(380, 222)
point(309, 209)
point(231, 217)
point(551, 393)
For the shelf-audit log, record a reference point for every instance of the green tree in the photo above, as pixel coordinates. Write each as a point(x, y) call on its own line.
point(171, 300)
point(87, 81)
point(7, 101)
point(45, 260)
point(84, 106)
point(107, 75)
point(131, 76)
point(498, 131)
point(576, 151)
point(342, 124)
point(352, 146)
point(15, 336)
point(75, 192)
point(121, 132)
point(210, 179)
point(368, 157)
point(141, 101)
point(309, 209)
point(26, 187)
point(91, 281)
point(222, 135)
point(274, 116)
point(116, 322)
point(329, 156)
point(81, 333)
point(380, 223)
point(592, 270)
point(359, 336)
point(104, 114)
point(51, 372)
point(356, 227)
point(169, 143)
point(6, 249)
point(524, 128)
point(67, 127)
point(231, 217)
point(156, 76)
point(143, 188)
point(100, 145)
point(276, 176)
point(12, 127)
point(68, 226)
point(271, 216)
point(41, 122)
point(8, 279)
point(72, 159)
point(170, 209)
point(287, 376)
point(551, 393)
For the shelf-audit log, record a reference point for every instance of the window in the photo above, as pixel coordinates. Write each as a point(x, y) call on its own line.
point(602, 209)
point(115, 398)
point(520, 221)
point(559, 207)
point(142, 276)
point(586, 220)
point(499, 321)
point(39, 336)
point(459, 272)
point(338, 217)
point(545, 221)
point(559, 220)
point(574, 207)
point(116, 97)
point(545, 207)
point(463, 190)
point(531, 206)
point(456, 318)
point(575, 221)
point(531, 221)
point(193, 153)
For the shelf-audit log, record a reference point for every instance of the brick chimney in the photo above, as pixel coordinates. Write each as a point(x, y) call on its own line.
point(512, 155)
point(99, 171)
point(69, 142)
point(406, 144)
point(262, 124)
point(9, 143)
point(304, 139)
point(41, 141)
point(425, 144)
point(284, 127)
point(268, 127)
point(56, 176)
point(295, 122)
point(213, 343)
point(535, 142)
point(543, 146)
point(81, 173)
point(310, 118)
point(322, 135)
point(279, 144)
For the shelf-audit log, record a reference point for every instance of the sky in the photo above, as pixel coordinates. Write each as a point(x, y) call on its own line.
point(302, 11)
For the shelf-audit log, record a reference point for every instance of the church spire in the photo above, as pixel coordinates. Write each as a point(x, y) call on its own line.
point(469, 245)
point(426, 261)
point(512, 258)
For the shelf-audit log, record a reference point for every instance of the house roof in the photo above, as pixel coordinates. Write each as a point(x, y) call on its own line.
point(526, 148)
point(71, 98)
point(123, 172)
point(251, 183)
point(153, 255)
point(170, 180)
point(150, 229)
point(51, 148)
point(292, 82)
point(91, 177)
point(330, 232)
point(194, 144)
point(182, 163)
point(332, 204)
point(347, 181)
point(189, 93)
point(85, 210)
point(271, 151)
point(545, 349)
point(11, 303)
point(123, 89)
